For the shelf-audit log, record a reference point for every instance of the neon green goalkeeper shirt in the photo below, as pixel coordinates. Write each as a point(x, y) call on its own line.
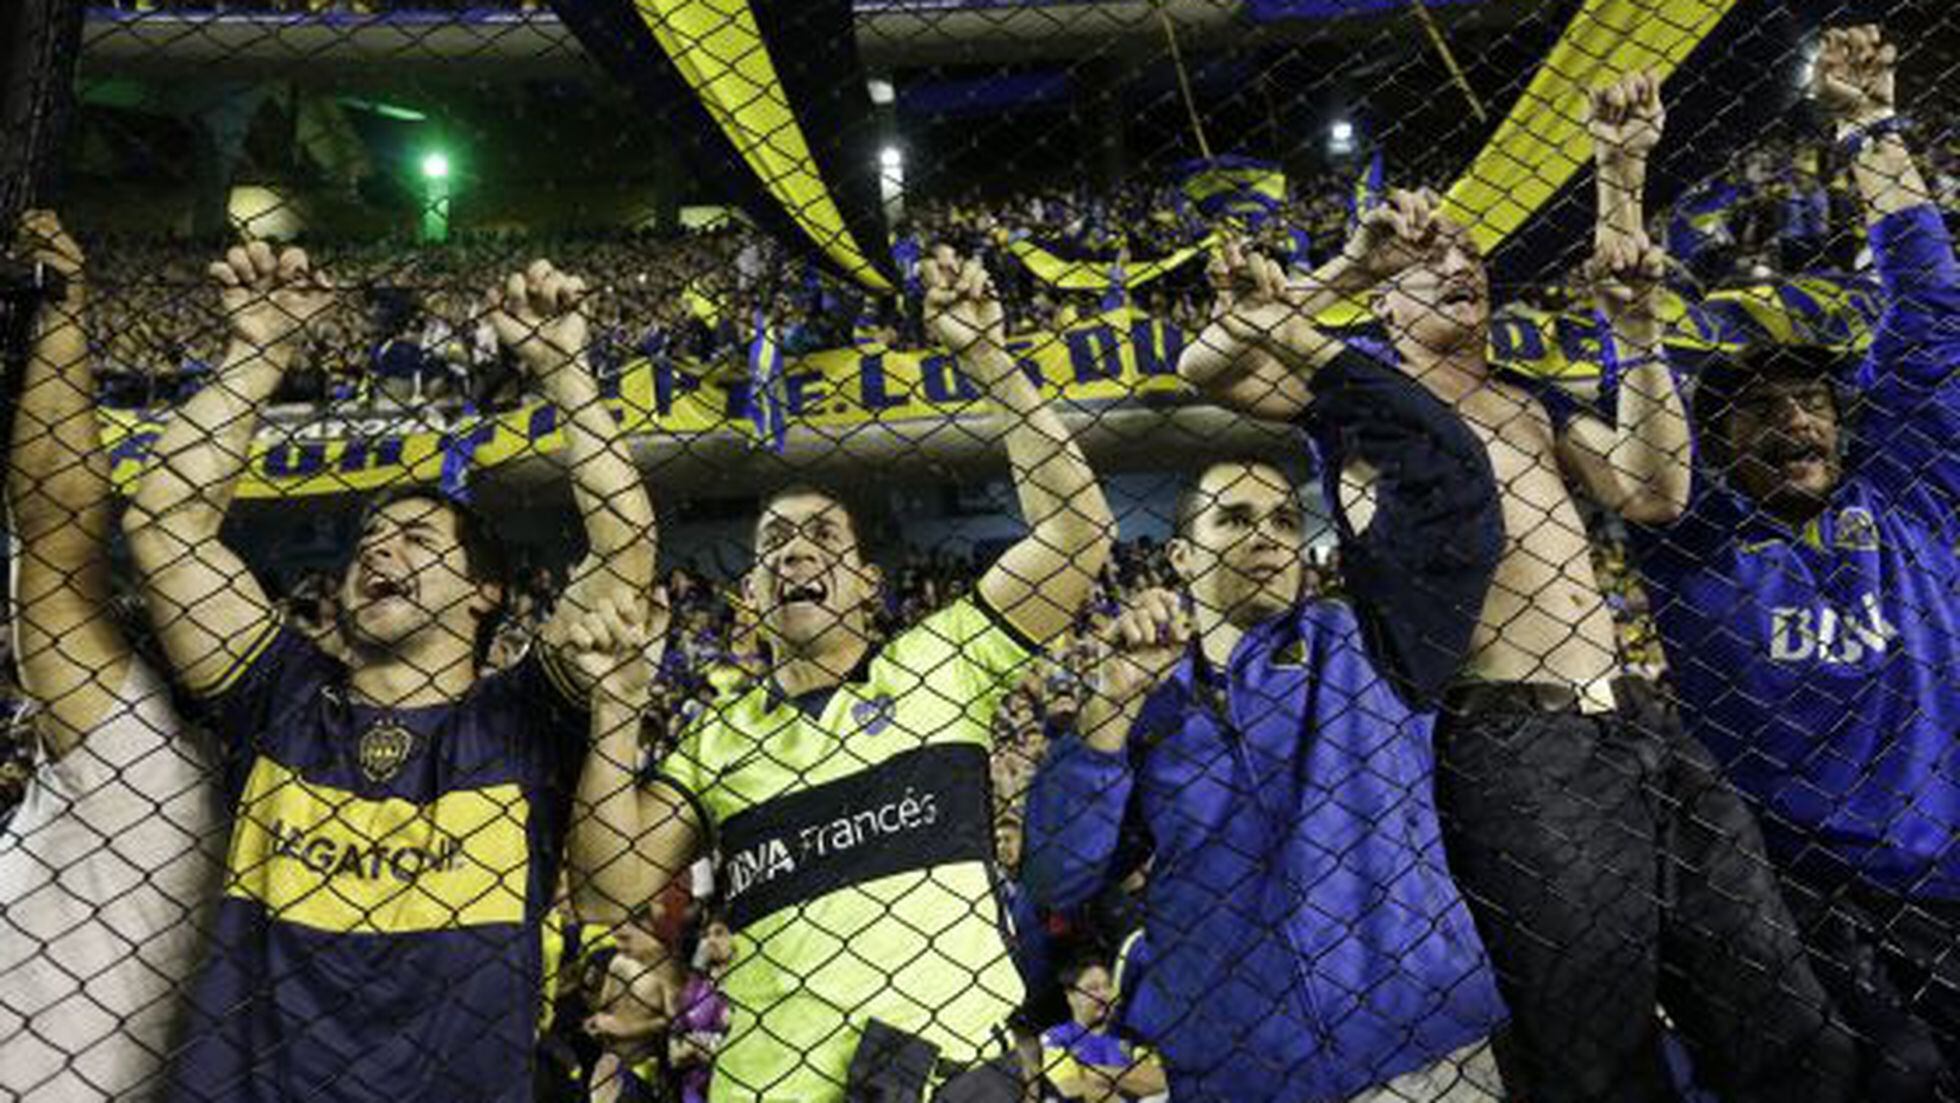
point(855, 836)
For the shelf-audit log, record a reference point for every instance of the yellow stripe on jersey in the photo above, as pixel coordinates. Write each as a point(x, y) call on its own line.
point(242, 663)
point(321, 857)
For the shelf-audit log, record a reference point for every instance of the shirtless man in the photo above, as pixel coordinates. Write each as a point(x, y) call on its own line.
point(1591, 850)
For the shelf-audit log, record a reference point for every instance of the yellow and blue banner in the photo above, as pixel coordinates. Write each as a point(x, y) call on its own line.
point(769, 98)
point(837, 393)
point(1057, 271)
point(1242, 189)
point(1726, 63)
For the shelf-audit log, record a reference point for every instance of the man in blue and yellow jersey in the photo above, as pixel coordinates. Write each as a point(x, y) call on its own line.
point(848, 790)
point(398, 817)
point(1807, 604)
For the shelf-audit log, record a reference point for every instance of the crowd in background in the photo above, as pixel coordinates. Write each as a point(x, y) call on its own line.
point(415, 335)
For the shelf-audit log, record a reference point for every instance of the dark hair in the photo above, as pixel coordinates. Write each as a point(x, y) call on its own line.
point(485, 561)
point(1192, 499)
point(1725, 380)
point(1071, 973)
point(853, 514)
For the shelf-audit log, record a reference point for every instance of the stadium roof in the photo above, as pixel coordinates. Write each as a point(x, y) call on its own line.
point(892, 34)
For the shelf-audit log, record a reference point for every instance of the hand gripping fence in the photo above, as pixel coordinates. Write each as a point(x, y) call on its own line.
point(981, 550)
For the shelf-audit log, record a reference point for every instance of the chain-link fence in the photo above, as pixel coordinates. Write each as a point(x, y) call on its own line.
point(1467, 612)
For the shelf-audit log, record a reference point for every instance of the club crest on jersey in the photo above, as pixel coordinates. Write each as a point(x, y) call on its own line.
point(1293, 654)
point(873, 716)
point(384, 748)
point(1856, 531)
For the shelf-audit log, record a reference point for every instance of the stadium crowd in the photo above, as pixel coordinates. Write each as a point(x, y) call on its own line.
point(828, 831)
point(416, 334)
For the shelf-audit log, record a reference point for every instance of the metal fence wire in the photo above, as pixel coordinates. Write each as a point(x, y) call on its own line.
point(884, 551)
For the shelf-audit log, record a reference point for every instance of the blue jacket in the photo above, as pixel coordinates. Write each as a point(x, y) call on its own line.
point(1822, 667)
point(1306, 941)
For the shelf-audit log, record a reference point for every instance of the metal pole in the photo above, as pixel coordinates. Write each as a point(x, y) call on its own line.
point(1449, 58)
point(1184, 82)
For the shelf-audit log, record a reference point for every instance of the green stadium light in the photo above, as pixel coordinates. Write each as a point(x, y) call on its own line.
point(435, 196)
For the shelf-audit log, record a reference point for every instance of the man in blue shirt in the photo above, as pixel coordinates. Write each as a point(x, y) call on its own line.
point(1807, 603)
point(1307, 942)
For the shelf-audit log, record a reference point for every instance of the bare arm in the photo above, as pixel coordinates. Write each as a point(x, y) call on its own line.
point(205, 604)
point(1640, 466)
point(608, 879)
point(540, 314)
point(1626, 120)
point(72, 657)
point(1229, 359)
point(1262, 346)
point(1041, 582)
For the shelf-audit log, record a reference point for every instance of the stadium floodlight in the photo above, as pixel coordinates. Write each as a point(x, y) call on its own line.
point(1807, 71)
point(1340, 138)
point(891, 180)
point(435, 196)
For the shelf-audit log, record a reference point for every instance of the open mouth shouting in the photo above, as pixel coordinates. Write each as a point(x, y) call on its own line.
point(1462, 293)
point(812, 593)
point(1796, 460)
point(376, 586)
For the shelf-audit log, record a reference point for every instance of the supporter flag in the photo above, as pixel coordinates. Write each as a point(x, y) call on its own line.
point(1702, 219)
point(700, 304)
point(866, 330)
point(768, 402)
point(1233, 187)
point(1729, 66)
point(1116, 296)
point(769, 99)
point(459, 458)
point(1095, 275)
point(1299, 249)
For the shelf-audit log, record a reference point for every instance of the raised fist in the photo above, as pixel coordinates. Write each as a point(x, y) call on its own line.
point(1249, 294)
point(962, 310)
point(1142, 645)
point(1855, 75)
point(1626, 117)
point(1395, 234)
point(539, 314)
point(609, 645)
point(269, 298)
